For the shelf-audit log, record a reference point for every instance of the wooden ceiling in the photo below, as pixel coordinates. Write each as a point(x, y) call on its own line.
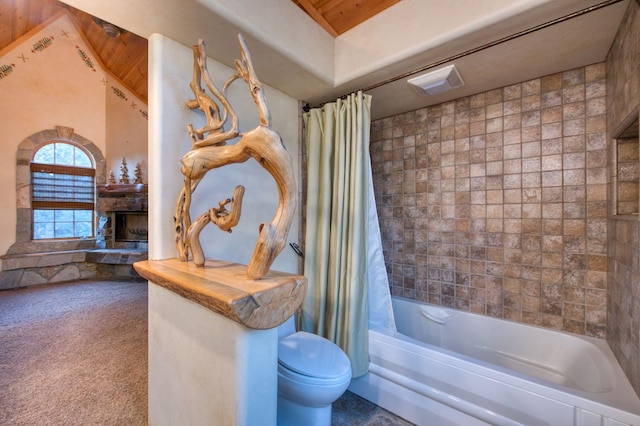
point(124, 56)
point(339, 16)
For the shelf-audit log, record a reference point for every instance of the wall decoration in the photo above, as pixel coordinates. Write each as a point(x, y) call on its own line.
point(5, 70)
point(210, 150)
point(119, 93)
point(144, 114)
point(124, 173)
point(87, 61)
point(42, 44)
point(138, 174)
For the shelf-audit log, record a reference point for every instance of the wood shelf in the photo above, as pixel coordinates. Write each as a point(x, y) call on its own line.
point(224, 288)
point(123, 188)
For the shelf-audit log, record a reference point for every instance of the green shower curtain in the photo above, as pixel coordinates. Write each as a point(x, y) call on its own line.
point(335, 262)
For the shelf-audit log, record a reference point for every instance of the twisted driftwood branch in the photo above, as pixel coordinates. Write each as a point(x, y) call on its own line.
point(182, 217)
point(207, 105)
point(262, 144)
point(221, 217)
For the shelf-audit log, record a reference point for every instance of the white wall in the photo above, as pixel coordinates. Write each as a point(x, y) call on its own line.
point(171, 67)
point(126, 132)
point(55, 86)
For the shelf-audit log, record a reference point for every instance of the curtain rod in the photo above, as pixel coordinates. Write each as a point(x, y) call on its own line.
point(494, 43)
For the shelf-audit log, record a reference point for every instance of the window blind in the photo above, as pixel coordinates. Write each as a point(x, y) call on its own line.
point(62, 187)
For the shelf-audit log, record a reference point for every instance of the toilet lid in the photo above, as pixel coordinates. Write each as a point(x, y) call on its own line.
point(312, 355)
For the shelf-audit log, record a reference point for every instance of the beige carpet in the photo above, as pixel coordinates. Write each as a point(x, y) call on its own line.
point(74, 354)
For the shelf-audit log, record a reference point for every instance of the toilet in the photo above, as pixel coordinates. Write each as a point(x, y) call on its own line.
point(312, 373)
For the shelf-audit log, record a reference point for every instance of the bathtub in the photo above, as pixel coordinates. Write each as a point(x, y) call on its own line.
point(449, 367)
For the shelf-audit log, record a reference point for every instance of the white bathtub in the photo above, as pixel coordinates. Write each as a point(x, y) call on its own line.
point(448, 367)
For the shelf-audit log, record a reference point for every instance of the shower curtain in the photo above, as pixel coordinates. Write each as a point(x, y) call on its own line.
point(348, 289)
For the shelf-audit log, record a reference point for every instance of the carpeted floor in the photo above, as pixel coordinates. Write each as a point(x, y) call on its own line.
point(76, 354)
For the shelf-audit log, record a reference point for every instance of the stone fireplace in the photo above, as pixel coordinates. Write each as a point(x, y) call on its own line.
point(130, 227)
point(122, 217)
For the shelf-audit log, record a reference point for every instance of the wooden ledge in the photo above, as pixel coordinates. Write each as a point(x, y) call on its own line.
point(224, 288)
point(120, 188)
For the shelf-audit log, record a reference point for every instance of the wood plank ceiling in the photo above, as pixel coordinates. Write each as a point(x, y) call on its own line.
point(339, 16)
point(125, 55)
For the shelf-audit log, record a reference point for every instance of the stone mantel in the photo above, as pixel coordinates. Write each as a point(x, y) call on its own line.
point(122, 189)
point(127, 198)
point(224, 288)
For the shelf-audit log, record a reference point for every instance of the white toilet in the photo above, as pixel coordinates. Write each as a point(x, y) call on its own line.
point(312, 373)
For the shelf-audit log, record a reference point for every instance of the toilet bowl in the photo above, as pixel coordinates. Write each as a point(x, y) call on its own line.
point(312, 373)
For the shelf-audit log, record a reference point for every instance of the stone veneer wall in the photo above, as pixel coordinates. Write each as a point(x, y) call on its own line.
point(26, 149)
point(497, 203)
point(623, 304)
point(119, 198)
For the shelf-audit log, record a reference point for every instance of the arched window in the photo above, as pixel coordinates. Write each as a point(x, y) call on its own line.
point(63, 191)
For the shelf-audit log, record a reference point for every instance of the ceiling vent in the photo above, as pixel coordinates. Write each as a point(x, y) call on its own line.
point(437, 81)
point(111, 30)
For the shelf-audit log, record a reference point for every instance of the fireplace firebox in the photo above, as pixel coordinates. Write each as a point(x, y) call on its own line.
point(131, 227)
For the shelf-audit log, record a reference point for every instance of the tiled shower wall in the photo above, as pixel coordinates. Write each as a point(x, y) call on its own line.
point(497, 203)
point(623, 99)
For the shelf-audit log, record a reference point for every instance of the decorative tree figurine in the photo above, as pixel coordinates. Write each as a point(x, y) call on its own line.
point(112, 178)
point(124, 172)
point(138, 174)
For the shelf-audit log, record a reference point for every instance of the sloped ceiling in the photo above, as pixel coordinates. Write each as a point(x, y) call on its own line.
point(339, 16)
point(124, 56)
point(493, 44)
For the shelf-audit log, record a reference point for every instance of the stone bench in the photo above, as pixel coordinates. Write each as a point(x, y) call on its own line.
point(20, 270)
point(116, 256)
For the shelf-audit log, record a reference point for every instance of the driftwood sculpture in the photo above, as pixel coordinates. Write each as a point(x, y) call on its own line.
point(210, 151)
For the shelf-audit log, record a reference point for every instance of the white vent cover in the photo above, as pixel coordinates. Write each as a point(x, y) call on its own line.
point(438, 81)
